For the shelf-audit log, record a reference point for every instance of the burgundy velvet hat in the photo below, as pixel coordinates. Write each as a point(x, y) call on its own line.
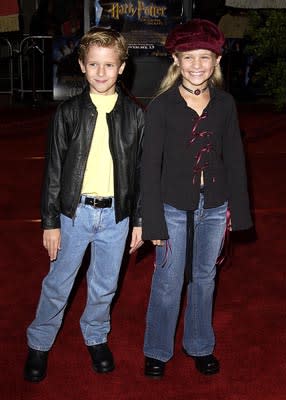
point(195, 34)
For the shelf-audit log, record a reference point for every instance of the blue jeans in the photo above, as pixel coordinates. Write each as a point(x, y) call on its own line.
point(168, 278)
point(95, 226)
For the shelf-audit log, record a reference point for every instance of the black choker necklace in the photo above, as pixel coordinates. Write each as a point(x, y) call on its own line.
point(196, 92)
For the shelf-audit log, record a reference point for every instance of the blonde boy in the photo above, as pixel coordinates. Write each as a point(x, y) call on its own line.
point(90, 195)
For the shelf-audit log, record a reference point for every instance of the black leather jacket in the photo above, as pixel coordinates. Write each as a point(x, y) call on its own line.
point(70, 135)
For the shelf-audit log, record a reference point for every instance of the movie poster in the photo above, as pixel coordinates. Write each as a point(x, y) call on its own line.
point(67, 24)
point(144, 23)
point(67, 77)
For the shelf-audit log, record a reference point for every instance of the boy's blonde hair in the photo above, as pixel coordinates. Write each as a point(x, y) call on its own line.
point(173, 74)
point(103, 37)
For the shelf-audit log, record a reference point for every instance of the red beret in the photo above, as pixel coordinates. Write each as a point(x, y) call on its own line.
point(193, 35)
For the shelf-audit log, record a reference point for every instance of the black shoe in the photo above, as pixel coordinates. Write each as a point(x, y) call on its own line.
point(102, 358)
point(35, 369)
point(207, 365)
point(154, 368)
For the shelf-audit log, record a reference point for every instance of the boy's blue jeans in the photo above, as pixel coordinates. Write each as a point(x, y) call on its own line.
point(95, 226)
point(168, 278)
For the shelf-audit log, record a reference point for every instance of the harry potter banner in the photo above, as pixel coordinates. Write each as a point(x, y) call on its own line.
point(144, 23)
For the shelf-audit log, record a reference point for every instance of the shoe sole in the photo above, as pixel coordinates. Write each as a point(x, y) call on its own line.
point(103, 370)
point(208, 372)
point(153, 376)
point(34, 379)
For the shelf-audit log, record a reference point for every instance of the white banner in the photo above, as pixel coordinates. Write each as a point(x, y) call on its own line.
point(256, 3)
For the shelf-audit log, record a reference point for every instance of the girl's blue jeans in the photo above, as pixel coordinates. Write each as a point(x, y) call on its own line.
point(168, 278)
point(97, 227)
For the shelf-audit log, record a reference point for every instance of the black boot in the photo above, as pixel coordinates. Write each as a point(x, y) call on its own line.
point(154, 368)
point(36, 365)
point(101, 357)
point(207, 365)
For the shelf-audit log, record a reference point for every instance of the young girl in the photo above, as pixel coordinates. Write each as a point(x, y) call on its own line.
point(193, 170)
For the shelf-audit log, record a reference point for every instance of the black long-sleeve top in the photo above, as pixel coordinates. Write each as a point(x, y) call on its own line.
point(179, 145)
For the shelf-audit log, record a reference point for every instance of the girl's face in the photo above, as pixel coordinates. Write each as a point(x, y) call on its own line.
point(196, 66)
point(101, 67)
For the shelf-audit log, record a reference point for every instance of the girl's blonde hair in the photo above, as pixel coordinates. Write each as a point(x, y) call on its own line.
point(103, 37)
point(173, 75)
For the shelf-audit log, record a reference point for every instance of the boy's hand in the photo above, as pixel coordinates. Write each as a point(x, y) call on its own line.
point(52, 242)
point(136, 239)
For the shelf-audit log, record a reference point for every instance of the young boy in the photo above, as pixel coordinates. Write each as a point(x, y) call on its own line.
point(90, 191)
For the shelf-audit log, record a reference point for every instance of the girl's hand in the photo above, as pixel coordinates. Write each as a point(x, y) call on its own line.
point(158, 242)
point(136, 239)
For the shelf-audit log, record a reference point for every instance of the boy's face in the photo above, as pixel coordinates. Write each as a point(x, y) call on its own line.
point(101, 68)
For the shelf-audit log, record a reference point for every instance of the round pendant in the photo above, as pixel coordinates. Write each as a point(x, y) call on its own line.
point(197, 92)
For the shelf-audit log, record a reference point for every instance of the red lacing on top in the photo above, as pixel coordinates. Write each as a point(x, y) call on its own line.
point(199, 167)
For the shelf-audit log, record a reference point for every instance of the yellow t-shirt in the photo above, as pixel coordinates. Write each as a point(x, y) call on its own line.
point(98, 178)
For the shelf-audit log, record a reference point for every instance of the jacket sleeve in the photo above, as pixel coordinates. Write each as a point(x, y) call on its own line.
point(137, 213)
point(234, 160)
point(154, 223)
point(54, 158)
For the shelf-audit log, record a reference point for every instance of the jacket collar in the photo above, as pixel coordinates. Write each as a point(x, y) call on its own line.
point(88, 102)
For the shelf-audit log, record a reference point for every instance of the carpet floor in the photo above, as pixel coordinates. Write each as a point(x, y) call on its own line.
point(250, 304)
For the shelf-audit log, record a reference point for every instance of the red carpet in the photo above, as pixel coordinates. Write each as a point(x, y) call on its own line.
point(249, 319)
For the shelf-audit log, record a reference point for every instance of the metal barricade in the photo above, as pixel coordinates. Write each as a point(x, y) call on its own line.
point(6, 59)
point(33, 55)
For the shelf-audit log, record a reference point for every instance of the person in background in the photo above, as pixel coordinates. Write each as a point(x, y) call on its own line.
point(90, 195)
point(193, 171)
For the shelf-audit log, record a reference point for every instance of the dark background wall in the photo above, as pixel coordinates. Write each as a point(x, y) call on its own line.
point(148, 71)
point(144, 72)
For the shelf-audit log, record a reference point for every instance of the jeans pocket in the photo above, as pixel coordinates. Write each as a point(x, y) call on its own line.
point(162, 254)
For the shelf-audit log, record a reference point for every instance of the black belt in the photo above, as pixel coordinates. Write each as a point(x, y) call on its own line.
point(105, 202)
